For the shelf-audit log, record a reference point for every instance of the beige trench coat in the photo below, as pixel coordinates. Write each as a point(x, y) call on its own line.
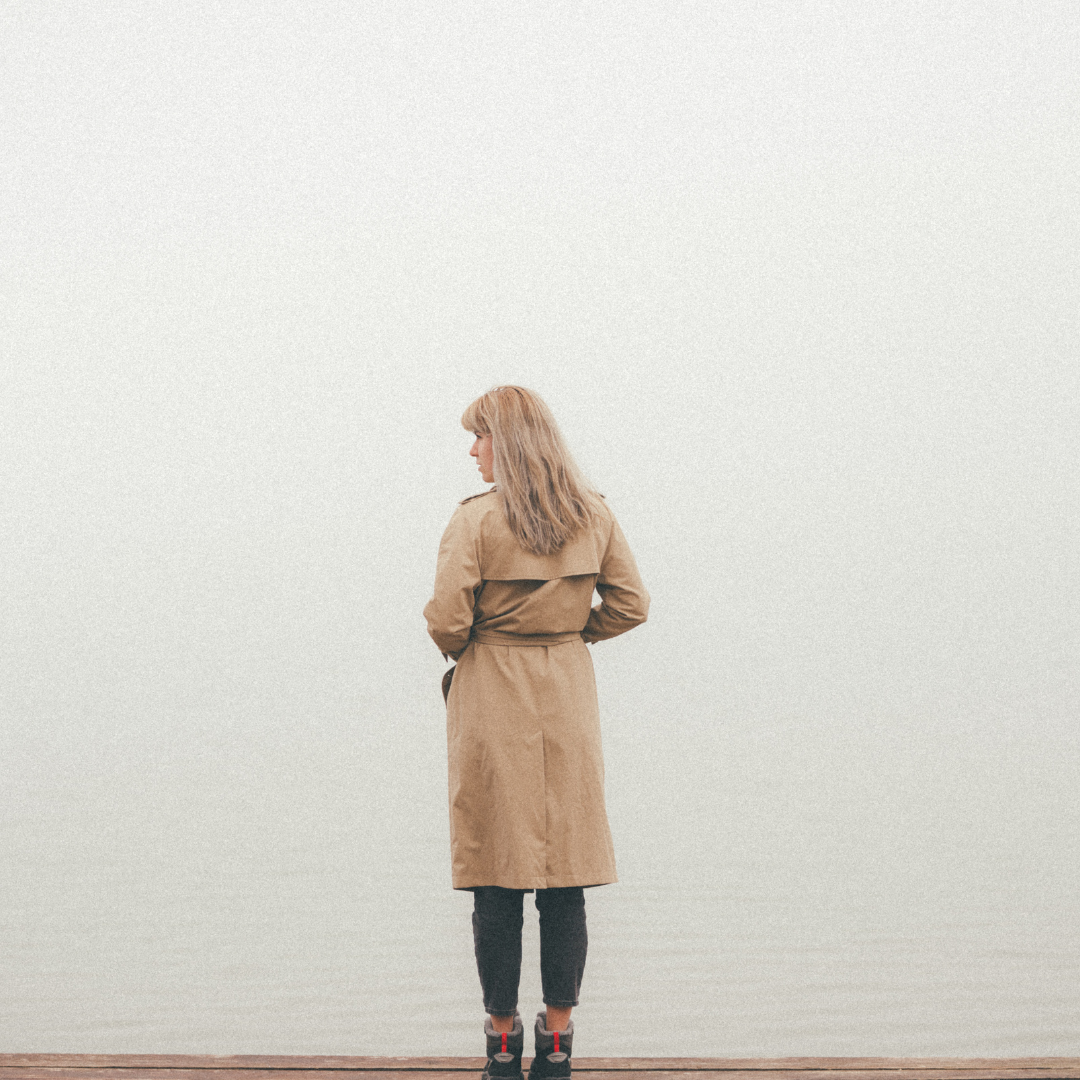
point(523, 727)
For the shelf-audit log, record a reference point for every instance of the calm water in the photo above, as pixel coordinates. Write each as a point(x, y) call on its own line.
point(797, 286)
point(216, 884)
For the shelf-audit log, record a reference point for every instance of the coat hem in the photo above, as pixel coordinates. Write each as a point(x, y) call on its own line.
point(556, 884)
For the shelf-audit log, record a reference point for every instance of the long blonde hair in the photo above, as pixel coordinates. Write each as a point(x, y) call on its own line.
point(546, 497)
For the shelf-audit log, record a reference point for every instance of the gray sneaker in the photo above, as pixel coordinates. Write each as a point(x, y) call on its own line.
point(504, 1051)
point(553, 1049)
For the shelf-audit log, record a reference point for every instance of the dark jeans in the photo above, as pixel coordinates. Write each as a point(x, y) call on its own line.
point(497, 920)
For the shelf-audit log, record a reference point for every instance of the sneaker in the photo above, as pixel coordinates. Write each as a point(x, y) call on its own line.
point(504, 1051)
point(553, 1049)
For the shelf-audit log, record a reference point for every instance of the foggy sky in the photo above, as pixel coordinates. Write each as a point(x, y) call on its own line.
point(798, 280)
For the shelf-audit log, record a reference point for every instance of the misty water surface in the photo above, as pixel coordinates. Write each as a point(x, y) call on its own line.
point(799, 283)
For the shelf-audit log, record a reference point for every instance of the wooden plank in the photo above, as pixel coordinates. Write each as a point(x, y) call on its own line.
point(251, 1067)
point(332, 1063)
point(846, 1074)
point(39, 1073)
point(818, 1064)
point(242, 1061)
point(62, 1073)
point(1063, 1073)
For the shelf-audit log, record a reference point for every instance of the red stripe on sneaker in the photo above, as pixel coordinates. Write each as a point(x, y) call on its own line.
point(504, 1042)
point(556, 1042)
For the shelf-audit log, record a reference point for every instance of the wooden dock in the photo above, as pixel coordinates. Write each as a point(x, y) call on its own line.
point(189, 1067)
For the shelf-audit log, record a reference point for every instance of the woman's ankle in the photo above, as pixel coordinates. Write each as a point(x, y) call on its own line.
point(557, 1018)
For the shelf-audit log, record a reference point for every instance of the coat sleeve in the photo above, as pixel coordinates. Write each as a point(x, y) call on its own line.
point(624, 603)
point(449, 612)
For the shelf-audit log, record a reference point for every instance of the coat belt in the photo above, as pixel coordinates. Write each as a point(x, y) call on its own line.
point(500, 637)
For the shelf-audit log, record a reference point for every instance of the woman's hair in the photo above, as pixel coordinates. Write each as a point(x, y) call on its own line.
point(545, 494)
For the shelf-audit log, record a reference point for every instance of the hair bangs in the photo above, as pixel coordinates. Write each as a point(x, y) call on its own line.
point(475, 418)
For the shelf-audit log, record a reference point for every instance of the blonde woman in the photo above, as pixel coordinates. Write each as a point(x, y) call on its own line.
point(514, 583)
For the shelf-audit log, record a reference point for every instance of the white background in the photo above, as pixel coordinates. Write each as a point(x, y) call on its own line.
point(798, 281)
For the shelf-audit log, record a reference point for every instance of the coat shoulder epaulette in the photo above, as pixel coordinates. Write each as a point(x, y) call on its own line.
point(490, 491)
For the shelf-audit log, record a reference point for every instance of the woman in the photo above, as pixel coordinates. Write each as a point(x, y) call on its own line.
point(515, 578)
